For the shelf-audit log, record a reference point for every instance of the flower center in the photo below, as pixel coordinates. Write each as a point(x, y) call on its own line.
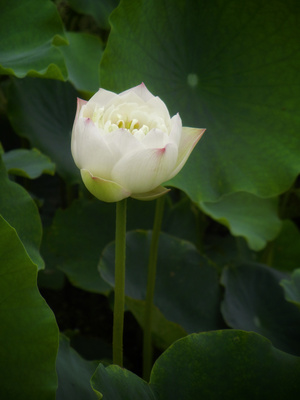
point(113, 119)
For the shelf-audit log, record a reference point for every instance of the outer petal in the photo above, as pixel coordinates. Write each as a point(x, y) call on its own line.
point(189, 139)
point(103, 189)
point(103, 97)
point(144, 170)
point(155, 139)
point(90, 150)
point(80, 104)
point(176, 129)
point(141, 91)
point(154, 194)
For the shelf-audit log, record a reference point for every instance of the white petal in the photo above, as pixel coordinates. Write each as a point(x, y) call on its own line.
point(90, 150)
point(121, 142)
point(189, 139)
point(102, 97)
point(141, 91)
point(145, 170)
point(176, 129)
point(155, 139)
point(80, 104)
point(154, 102)
point(159, 107)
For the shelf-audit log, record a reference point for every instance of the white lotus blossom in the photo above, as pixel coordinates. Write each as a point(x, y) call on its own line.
point(127, 145)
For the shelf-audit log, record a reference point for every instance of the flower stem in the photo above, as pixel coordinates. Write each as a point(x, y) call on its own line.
point(147, 344)
point(120, 254)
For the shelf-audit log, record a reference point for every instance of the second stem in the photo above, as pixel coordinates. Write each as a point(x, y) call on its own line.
point(147, 343)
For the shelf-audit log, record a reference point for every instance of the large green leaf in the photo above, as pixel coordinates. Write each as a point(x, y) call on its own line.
point(246, 215)
point(28, 163)
point(229, 66)
point(217, 365)
point(30, 32)
point(225, 365)
point(74, 374)
point(43, 111)
point(254, 301)
point(20, 211)
point(187, 288)
point(28, 334)
point(82, 58)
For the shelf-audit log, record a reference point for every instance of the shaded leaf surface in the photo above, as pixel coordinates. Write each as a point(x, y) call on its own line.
point(254, 301)
point(292, 288)
point(43, 111)
point(115, 383)
point(246, 215)
point(74, 374)
point(164, 332)
point(76, 240)
point(99, 10)
point(227, 364)
point(187, 288)
point(284, 252)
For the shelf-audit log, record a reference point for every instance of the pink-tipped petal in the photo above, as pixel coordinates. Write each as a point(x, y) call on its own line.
point(80, 103)
point(155, 139)
point(103, 189)
point(189, 138)
point(154, 103)
point(144, 170)
point(152, 195)
point(141, 90)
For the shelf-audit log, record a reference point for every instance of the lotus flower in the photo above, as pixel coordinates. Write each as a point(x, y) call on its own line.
point(127, 145)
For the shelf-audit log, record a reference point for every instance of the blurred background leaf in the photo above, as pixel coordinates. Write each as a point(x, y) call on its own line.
point(31, 32)
point(99, 10)
point(292, 288)
point(43, 111)
point(28, 163)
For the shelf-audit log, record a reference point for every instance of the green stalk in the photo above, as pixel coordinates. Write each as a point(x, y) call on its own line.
point(147, 344)
point(120, 254)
